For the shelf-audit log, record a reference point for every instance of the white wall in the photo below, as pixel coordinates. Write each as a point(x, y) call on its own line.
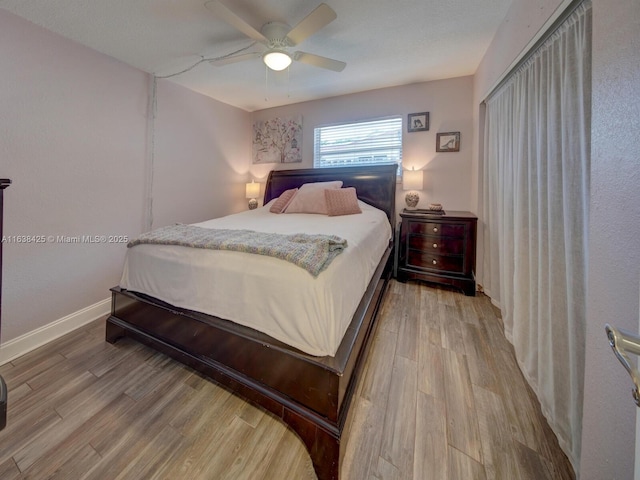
point(447, 176)
point(202, 157)
point(523, 22)
point(614, 250)
point(74, 140)
point(608, 434)
point(73, 128)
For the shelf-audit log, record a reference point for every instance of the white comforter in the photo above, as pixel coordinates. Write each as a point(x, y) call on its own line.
point(265, 293)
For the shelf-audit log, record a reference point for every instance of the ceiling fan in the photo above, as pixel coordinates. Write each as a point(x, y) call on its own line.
point(275, 39)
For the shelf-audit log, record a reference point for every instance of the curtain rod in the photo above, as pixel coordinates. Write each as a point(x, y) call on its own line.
point(528, 52)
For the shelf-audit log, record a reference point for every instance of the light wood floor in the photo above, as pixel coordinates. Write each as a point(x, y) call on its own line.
point(441, 398)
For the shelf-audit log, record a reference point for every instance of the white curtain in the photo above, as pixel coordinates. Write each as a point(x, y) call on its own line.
point(535, 197)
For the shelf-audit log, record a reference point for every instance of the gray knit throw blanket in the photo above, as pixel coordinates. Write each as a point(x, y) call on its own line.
point(314, 253)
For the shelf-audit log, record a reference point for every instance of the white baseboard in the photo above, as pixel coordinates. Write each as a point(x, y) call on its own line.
point(36, 338)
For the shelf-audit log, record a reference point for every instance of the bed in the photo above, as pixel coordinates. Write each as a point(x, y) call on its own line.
point(310, 393)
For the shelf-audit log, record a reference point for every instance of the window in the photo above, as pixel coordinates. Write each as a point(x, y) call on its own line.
point(372, 142)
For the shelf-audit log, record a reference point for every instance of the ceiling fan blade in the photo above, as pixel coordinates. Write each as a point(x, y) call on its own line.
point(318, 61)
point(221, 10)
point(321, 16)
point(235, 59)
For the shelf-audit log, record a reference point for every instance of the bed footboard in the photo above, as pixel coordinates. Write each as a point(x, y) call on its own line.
point(321, 438)
point(313, 398)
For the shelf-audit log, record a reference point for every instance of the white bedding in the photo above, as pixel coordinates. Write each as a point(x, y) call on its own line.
point(268, 294)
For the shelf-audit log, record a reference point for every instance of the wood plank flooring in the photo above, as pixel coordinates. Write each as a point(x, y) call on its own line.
point(441, 397)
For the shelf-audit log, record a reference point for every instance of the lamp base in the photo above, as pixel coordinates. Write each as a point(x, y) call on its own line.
point(253, 204)
point(411, 199)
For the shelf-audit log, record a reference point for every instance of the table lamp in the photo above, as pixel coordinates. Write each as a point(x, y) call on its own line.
point(412, 181)
point(252, 191)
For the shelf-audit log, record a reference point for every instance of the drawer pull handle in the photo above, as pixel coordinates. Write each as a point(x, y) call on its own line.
point(434, 261)
point(435, 245)
point(435, 229)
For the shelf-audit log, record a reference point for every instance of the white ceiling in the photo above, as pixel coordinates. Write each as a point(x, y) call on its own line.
point(383, 42)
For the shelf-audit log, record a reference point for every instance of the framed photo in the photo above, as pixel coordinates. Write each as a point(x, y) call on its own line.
point(418, 122)
point(448, 142)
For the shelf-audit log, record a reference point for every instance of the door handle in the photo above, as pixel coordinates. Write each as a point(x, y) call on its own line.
point(622, 344)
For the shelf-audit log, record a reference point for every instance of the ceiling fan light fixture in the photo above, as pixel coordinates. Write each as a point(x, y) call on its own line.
point(277, 60)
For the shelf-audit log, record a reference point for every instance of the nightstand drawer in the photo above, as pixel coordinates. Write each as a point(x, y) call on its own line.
point(429, 261)
point(439, 229)
point(436, 245)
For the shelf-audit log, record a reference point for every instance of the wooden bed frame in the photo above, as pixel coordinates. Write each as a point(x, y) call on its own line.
point(310, 394)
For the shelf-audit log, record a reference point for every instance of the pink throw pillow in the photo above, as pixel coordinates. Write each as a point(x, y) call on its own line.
point(343, 201)
point(283, 201)
point(310, 198)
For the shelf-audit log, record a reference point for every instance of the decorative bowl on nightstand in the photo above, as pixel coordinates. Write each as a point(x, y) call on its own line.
point(436, 207)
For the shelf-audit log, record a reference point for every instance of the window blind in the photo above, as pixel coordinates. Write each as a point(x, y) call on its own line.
point(370, 142)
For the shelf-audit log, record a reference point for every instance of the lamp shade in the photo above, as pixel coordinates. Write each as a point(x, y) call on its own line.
point(277, 60)
point(412, 180)
point(252, 190)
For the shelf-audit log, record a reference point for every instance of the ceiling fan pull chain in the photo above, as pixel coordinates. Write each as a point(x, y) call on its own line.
point(289, 81)
point(266, 83)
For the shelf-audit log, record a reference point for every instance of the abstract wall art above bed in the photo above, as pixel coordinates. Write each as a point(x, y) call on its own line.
point(278, 140)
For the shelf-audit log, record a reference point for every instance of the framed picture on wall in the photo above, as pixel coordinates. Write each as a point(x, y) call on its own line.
point(278, 140)
point(418, 122)
point(448, 142)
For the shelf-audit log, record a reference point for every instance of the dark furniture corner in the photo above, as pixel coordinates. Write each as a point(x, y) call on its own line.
point(438, 249)
point(4, 183)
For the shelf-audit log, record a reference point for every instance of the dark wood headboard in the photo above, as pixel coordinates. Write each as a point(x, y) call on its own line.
point(375, 185)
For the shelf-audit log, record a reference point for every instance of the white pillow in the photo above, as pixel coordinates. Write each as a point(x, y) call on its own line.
point(322, 185)
point(310, 198)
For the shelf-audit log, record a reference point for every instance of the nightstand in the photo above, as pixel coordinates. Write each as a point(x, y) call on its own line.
point(438, 248)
